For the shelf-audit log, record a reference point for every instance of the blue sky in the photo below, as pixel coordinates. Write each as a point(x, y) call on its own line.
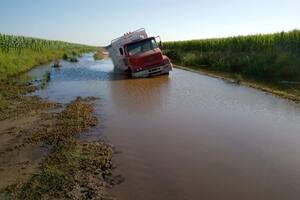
point(98, 21)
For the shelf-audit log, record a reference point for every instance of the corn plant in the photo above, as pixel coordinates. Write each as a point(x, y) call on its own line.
point(19, 43)
point(269, 56)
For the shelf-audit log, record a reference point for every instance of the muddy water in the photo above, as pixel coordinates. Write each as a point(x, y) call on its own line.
point(189, 136)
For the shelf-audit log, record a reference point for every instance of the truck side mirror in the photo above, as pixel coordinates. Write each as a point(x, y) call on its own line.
point(160, 44)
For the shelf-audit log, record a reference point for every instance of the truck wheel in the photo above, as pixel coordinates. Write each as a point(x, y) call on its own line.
point(129, 72)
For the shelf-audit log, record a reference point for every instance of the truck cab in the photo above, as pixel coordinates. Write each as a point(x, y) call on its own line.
point(145, 57)
point(140, 56)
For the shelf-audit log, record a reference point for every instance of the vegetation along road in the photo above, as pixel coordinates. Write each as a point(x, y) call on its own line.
point(269, 62)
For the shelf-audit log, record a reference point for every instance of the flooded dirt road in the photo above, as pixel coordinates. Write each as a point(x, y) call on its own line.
point(189, 136)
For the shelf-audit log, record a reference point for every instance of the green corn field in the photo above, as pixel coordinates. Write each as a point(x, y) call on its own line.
point(274, 57)
point(19, 54)
point(18, 43)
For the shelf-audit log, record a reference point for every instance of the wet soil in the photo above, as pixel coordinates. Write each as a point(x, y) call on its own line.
point(68, 168)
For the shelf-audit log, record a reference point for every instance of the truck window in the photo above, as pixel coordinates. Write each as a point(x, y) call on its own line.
point(121, 51)
point(140, 47)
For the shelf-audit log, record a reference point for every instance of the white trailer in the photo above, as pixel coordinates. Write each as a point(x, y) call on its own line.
point(116, 48)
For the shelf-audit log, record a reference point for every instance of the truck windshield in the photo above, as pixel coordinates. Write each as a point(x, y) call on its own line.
point(140, 47)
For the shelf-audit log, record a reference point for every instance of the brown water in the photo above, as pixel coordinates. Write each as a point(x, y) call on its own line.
point(189, 136)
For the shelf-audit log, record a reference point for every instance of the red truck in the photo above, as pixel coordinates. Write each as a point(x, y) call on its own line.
point(139, 55)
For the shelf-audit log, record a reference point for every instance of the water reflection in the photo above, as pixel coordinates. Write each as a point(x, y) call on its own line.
point(139, 95)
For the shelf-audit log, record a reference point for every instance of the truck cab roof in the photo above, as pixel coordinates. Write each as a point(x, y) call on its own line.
point(138, 41)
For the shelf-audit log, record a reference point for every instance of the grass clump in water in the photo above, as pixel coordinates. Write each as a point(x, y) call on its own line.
point(74, 169)
point(99, 54)
point(13, 103)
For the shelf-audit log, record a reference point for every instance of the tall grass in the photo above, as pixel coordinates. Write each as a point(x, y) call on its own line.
point(271, 57)
point(19, 54)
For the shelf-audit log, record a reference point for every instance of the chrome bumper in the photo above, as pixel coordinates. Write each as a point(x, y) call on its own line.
point(155, 71)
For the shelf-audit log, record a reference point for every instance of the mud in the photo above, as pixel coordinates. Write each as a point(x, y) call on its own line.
point(15, 104)
point(72, 169)
point(20, 115)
